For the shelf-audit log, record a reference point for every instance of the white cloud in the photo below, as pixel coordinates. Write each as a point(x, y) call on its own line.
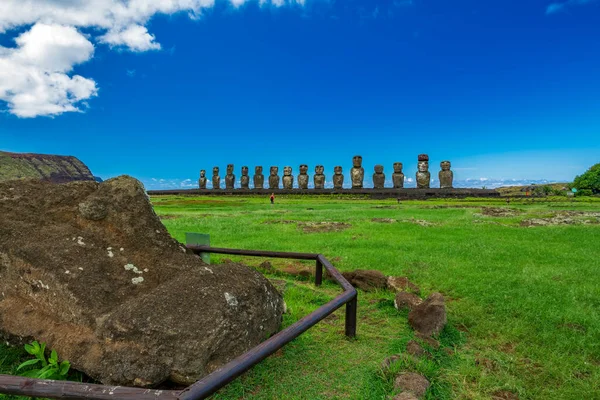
point(134, 37)
point(554, 8)
point(34, 77)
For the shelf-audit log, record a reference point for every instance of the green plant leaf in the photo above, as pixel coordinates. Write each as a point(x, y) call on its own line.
point(31, 374)
point(27, 363)
point(30, 349)
point(64, 368)
point(48, 374)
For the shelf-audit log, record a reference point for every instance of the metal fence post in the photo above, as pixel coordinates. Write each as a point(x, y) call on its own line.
point(351, 309)
point(319, 274)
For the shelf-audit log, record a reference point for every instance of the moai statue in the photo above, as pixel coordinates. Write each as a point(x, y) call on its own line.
point(446, 176)
point(398, 176)
point(303, 177)
point(319, 178)
point(202, 180)
point(259, 178)
point(230, 177)
point(288, 178)
point(274, 178)
point(216, 179)
point(378, 177)
point(338, 178)
point(357, 173)
point(423, 175)
point(245, 179)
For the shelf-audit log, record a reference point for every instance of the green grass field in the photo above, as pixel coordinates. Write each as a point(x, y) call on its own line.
point(523, 300)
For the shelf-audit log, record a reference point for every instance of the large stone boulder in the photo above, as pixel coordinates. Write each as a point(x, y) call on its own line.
point(57, 169)
point(429, 317)
point(89, 269)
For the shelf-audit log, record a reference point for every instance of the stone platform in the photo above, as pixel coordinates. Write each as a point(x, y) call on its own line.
point(404, 194)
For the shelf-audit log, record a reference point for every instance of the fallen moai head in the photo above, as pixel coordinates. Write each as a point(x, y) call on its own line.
point(89, 269)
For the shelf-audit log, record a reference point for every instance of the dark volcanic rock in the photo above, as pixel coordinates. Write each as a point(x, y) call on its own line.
point(406, 300)
point(58, 169)
point(89, 269)
point(366, 279)
point(429, 317)
point(401, 284)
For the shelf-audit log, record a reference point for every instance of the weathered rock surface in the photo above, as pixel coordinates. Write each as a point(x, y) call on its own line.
point(387, 363)
point(402, 284)
point(89, 269)
point(405, 300)
point(405, 396)
point(58, 169)
point(429, 317)
point(413, 383)
point(366, 279)
point(414, 349)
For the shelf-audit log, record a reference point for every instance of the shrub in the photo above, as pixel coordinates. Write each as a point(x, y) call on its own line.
point(590, 180)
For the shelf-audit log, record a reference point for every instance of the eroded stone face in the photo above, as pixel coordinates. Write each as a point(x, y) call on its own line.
point(338, 178)
point(378, 177)
point(398, 176)
point(216, 179)
point(259, 178)
point(446, 176)
point(245, 179)
point(230, 177)
point(423, 175)
point(357, 173)
point(288, 179)
point(202, 180)
point(319, 178)
point(303, 177)
point(93, 289)
point(274, 178)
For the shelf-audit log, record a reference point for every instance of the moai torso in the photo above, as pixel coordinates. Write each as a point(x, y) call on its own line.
point(216, 179)
point(245, 179)
point(398, 176)
point(274, 178)
point(202, 180)
point(423, 175)
point(303, 177)
point(319, 178)
point(259, 178)
point(338, 178)
point(230, 177)
point(357, 173)
point(378, 177)
point(446, 176)
point(288, 178)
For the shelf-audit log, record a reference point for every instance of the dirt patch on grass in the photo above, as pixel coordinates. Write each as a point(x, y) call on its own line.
point(565, 218)
point(313, 226)
point(421, 222)
point(384, 220)
point(325, 226)
point(500, 212)
point(504, 395)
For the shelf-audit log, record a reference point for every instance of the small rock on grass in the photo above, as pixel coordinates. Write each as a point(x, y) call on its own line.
point(366, 280)
point(401, 284)
point(412, 382)
point(387, 363)
point(267, 267)
point(414, 349)
point(429, 317)
point(406, 300)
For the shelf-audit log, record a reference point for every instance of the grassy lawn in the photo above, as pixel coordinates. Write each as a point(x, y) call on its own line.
point(523, 301)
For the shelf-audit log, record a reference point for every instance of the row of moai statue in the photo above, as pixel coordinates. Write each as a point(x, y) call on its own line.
point(357, 175)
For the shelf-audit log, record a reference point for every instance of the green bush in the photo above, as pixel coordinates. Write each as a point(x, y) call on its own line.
point(589, 180)
point(584, 192)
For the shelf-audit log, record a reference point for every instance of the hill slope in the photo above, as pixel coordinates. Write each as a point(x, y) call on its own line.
point(47, 167)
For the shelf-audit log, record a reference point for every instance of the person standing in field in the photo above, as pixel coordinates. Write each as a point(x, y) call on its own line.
point(272, 198)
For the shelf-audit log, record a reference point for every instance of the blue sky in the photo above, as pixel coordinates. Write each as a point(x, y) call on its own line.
point(505, 90)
